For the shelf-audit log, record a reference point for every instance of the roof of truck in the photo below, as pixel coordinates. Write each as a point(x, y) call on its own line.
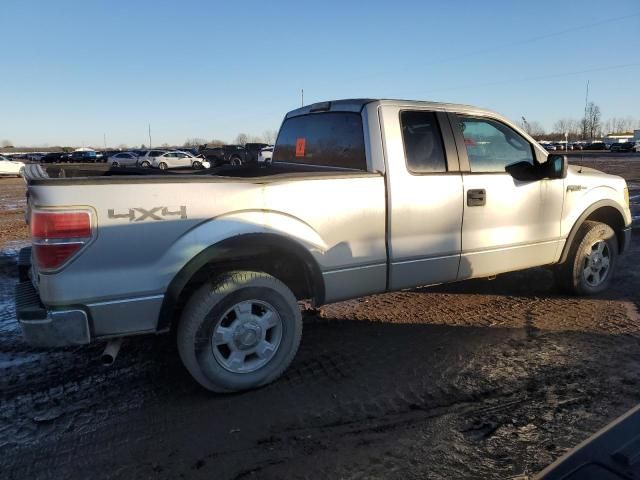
point(357, 104)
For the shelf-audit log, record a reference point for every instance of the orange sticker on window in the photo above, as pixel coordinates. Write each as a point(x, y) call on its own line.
point(300, 144)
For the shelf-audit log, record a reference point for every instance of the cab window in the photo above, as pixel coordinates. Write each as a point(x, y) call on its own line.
point(423, 146)
point(492, 146)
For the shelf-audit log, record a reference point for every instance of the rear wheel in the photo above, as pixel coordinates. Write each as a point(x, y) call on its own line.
point(591, 262)
point(240, 332)
point(236, 161)
point(163, 166)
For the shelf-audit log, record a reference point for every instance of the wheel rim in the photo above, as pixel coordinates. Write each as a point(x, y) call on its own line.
point(236, 162)
point(145, 164)
point(197, 165)
point(163, 166)
point(597, 264)
point(247, 336)
point(115, 164)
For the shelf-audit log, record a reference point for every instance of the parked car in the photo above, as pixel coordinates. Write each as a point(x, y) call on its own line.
point(596, 146)
point(550, 147)
point(178, 159)
point(123, 159)
point(84, 156)
point(55, 157)
point(623, 147)
point(338, 215)
point(233, 154)
point(265, 154)
point(10, 167)
point(146, 156)
point(559, 146)
point(577, 146)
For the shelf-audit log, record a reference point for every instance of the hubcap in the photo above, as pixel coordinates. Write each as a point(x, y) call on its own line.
point(597, 264)
point(247, 336)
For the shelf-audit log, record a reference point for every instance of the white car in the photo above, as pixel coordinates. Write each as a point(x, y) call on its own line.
point(10, 167)
point(146, 157)
point(178, 159)
point(265, 154)
point(123, 159)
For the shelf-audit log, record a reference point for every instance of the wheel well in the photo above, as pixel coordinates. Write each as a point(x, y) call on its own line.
point(600, 212)
point(285, 259)
point(612, 217)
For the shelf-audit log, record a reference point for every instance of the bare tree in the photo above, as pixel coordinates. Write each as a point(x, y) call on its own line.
point(242, 139)
point(270, 136)
point(6, 144)
point(215, 142)
point(533, 128)
point(591, 123)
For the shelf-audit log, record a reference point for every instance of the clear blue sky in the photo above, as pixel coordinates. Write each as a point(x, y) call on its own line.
point(73, 70)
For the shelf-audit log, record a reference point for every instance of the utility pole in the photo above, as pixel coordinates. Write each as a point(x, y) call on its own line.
point(104, 140)
point(302, 97)
point(149, 135)
point(586, 103)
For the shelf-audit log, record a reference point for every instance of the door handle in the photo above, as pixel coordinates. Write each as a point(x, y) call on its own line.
point(476, 197)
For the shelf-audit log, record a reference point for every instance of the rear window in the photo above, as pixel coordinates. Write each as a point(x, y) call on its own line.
point(332, 139)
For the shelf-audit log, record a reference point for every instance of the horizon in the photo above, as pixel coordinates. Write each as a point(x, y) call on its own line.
point(80, 73)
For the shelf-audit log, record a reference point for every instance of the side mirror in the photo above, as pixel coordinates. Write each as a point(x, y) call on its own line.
point(556, 166)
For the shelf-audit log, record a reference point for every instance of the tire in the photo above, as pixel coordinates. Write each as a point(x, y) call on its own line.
point(591, 262)
point(197, 165)
point(269, 320)
point(145, 164)
point(115, 164)
point(235, 161)
point(162, 166)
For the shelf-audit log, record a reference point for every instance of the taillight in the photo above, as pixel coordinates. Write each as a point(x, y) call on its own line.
point(58, 236)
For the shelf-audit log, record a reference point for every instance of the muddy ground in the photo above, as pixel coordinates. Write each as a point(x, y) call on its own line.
point(483, 379)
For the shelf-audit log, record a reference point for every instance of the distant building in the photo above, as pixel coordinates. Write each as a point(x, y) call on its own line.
point(620, 138)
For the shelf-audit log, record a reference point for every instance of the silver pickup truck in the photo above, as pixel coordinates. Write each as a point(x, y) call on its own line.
point(362, 197)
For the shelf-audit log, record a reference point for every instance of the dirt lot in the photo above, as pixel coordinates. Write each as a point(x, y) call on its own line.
point(483, 379)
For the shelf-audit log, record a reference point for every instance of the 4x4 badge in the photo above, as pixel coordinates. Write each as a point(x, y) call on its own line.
point(156, 213)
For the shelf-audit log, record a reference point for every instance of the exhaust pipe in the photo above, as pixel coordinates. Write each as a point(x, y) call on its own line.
point(111, 352)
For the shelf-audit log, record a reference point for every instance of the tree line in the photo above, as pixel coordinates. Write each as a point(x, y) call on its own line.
point(590, 127)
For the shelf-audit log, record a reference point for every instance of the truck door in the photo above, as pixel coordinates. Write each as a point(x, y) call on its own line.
point(424, 197)
point(508, 224)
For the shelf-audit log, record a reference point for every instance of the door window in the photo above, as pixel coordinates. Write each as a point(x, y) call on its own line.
point(492, 146)
point(422, 142)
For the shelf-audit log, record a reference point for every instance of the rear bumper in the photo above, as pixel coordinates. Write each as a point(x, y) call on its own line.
point(48, 328)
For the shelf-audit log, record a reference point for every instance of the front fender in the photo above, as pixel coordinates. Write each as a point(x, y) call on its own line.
point(577, 202)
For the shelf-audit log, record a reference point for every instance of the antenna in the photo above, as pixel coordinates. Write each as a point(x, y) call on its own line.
point(302, 97)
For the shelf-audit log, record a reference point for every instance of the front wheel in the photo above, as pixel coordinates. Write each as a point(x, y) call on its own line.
point(145, 164)
point(240, 332)
point(163, 166)
point(115, 164)
point(197, 165)
point(591, 262)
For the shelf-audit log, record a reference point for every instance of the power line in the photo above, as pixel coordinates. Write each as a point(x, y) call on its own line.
point(536, 38)
point(542, 77)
